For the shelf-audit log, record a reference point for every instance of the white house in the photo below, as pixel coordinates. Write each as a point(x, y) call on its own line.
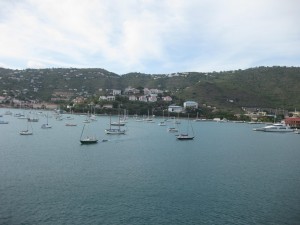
point(175, 108)
point(152, 99)
point(130, 91)
point(132, 98)
point(143, 98)
point(147, 91)
point(102, 98)
point(155, 91)
point(116, 92)
point(190, 104)
point(111, 98)
point(167, 99)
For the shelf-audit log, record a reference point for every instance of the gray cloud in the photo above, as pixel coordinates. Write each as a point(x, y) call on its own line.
point(149, 35)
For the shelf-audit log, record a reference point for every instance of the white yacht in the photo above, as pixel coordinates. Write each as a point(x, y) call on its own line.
point(276, 127)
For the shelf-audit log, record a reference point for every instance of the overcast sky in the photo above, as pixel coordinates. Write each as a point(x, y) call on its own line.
point(149, 36)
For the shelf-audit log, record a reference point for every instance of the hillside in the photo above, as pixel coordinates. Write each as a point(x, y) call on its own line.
point(274, 87)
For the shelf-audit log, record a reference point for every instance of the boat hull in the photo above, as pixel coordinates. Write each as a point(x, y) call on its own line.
point(114, 131)
point(26, 133)
point(184, 137)
point(88, 142)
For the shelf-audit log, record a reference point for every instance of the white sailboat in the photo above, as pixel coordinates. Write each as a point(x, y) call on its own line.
point(27, 131)
point(46, 125)
point(114, 130)
point(163, 122)
point(148, 119)
point(174, 128)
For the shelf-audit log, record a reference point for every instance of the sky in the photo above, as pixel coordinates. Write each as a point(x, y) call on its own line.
point(149, 36)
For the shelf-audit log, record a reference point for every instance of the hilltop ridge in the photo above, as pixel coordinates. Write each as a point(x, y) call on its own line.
point(274, 87)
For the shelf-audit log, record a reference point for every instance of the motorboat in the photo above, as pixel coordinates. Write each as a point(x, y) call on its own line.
point(276, 127)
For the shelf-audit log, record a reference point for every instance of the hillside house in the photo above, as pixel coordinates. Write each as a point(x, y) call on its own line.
point(143, 98)
point(152, 98)
point(167, 99)
point(131, 91)
point(175, 108)
point(190, 104)
point(116, 92)
point(107, 98)
point(132, 98)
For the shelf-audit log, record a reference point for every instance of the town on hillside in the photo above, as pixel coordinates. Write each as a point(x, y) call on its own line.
point(110, 100)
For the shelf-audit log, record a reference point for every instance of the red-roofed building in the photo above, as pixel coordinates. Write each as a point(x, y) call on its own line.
point(293, 122)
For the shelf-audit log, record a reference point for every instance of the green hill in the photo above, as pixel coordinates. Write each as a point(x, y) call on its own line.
point(274, 87)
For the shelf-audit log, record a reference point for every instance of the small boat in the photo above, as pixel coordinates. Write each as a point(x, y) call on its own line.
point(71, 124)
point(276, 127)
point(186, 136)
point(297, 131)
point(117, 123)
point(114, 130)
point(162, 123)
point(27, 131)
point(173, 129)
point(88, 139)
point(33, 119)
point(46, 125)
point(3, 122)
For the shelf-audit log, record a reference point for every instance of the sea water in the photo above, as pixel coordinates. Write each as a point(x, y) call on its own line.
point(229, 174)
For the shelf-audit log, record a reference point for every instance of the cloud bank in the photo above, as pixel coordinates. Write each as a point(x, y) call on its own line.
point(151, 36)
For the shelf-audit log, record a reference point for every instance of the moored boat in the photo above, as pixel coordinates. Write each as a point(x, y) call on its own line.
point(276, 127)
point(87, 139)
point(184, 137)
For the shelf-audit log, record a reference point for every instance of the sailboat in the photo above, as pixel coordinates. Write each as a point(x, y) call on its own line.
point(148, 119)
point(87, 139)
point(174, 128)
point(163, 123)
point(198, 119)
point(118, 123)
point(27, 131)
point(33, 118)
point(186, 136)
point(177, 121)
point(46, 125)
point(114, 130)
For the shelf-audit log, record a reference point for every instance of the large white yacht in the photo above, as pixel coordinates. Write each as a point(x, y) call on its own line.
point(276, 127)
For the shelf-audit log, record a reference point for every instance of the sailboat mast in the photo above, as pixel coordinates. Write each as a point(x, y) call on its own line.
point(82, 131)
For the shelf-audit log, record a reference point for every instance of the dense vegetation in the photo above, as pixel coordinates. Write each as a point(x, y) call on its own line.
point(272, 87)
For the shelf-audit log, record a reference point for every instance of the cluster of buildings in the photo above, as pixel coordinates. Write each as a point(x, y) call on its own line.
point(290, 118)
point(144, 95)
point(148, 95)
point(133, 94)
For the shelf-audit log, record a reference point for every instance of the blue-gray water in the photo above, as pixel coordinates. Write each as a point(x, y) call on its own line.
point(228, 174)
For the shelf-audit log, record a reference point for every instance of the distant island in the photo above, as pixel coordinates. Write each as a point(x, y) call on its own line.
point(225, 93)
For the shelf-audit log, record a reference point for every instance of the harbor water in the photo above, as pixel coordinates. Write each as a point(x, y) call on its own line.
point(229, 174)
